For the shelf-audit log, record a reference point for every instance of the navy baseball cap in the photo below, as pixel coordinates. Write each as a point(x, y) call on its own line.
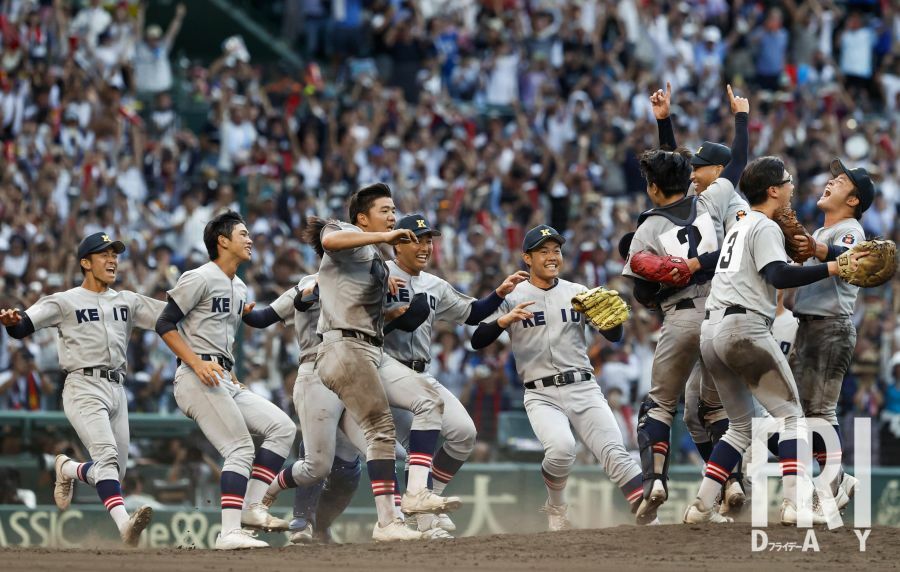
point(418, 224)
point(711, 154)
point(98, 242)
point(539, 235)
point(860, 179)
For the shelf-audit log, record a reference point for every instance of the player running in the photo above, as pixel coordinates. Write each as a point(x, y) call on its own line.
point(549, 341)
point(199, 324)
point(94, 324)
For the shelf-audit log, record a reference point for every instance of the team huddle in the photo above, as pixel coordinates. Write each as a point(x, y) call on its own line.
point(709, 258)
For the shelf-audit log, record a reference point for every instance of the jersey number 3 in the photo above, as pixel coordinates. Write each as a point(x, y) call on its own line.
point(732, 252)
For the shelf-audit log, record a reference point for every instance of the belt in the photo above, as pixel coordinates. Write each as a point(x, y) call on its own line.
point(731, 310)
point(223, 361)
point(361, 336)
point(809, 318)
point(416, 365)
point(108, 374)
point(307, 359)
point(564, 378)
point(686, 304)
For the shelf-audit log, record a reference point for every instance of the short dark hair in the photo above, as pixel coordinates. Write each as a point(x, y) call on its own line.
point(858, 209)
point(670, 171)
point(758, 176)
point(312, 234)
point(361, 201)
point(221, 225)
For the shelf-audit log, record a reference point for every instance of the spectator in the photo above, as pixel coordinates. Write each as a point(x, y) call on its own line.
point(857, 43)
point(22, 388)
point(771, 46)
point(152, 68)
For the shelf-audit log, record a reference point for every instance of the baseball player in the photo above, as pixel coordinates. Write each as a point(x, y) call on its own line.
point(353, 283)
point(686, 227)
point(94, 323)
point(549, 341)
point(824, 311)
point(705, 418)
point(199, 324)
point(737, 344)
point(321, 414)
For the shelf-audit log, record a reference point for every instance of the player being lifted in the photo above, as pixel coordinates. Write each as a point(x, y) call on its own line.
point(199, 324)
point(94, 324)
point(686, 227)
point(550, 341)
point(736, 341)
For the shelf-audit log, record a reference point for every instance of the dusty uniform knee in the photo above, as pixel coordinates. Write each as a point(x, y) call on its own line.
point(459, 439)
point(239, 456)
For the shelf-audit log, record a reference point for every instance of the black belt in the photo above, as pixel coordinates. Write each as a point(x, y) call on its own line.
point(307, 359)
point(108, 374)
point(564, 378)
point(416, 365)
point(686, 304)
point(731, 310)
point(808, 318)
point(361, 336)
point(223, 361)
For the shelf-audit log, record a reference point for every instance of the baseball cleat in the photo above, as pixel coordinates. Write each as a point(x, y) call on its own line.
point(557, 516)
point(426, 501)
point(646, 512)
point(65, 486)
point(444, 522)
point(305, 535)
point(697, 513)
point(436, 533)
point(238, 539)
point(137, 522)
point(845, 491)
point(734, 498)
point(394, 531)
point(257, 516)
point(790, 511)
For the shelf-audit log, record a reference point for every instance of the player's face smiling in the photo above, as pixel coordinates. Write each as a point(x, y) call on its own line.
point(545, 261)
point(381, 216)
point(415, 256)
point(104, 265)
point(837, 191)
point(241, 245)
point(703, 176)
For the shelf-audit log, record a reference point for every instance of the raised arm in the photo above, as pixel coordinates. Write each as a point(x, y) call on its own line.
point(661, 102)
point(740, 147)
point(338, 240)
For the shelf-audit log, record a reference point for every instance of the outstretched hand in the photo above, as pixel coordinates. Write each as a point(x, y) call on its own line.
point(738, 104)
point(661, 102)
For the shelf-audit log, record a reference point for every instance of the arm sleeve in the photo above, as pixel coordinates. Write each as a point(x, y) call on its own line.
point(708, 260)
point(834, 251)
point(169, 318)
point(21, 330)
point(615, 334)
point(45, 313)
point(146, 311)
point(782, 275)
point(666, 134)
point(485, 334)
point(740, 149)
point(262, 318)
point(481, 309)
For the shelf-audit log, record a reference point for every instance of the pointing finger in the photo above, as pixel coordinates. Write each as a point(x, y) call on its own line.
point(668, 89)
point(730, 93)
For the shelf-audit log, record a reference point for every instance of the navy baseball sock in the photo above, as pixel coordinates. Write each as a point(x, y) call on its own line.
point(265, 467)
point(76, 470)
point(110, 493)
point(791, 467)
point(443, 468)
point(234, 487)
point(556, 488)
point(421, 450)
point(382, 476)
point(823, 456)
point(705, 449)
point(723, 460)
point(633, 491)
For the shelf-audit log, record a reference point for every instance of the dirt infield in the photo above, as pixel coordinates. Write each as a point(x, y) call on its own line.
point(626, 548)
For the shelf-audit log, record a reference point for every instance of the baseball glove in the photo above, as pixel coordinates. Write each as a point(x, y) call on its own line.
point(799, 249)
point(657, 268)
point(604, 309)
point(872, 270)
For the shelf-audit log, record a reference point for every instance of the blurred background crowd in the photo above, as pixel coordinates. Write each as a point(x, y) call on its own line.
point(488, 116)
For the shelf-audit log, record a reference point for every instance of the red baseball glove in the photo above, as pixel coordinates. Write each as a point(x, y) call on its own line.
point(657, 268)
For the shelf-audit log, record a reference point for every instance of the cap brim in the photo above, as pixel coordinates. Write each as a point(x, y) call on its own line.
point(117, 245)
point(556, 237)
point(698, 161)
point(430, 231)
point(838, 167)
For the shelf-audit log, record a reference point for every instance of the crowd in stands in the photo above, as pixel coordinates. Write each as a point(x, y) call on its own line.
point(487, 116)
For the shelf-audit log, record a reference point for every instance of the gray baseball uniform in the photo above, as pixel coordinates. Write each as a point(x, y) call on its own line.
point(555, 343)
point(212, 304)
point(736, 342)
point(824, 310)
point(413, 349)
point(678, 347)
point(94, 329)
